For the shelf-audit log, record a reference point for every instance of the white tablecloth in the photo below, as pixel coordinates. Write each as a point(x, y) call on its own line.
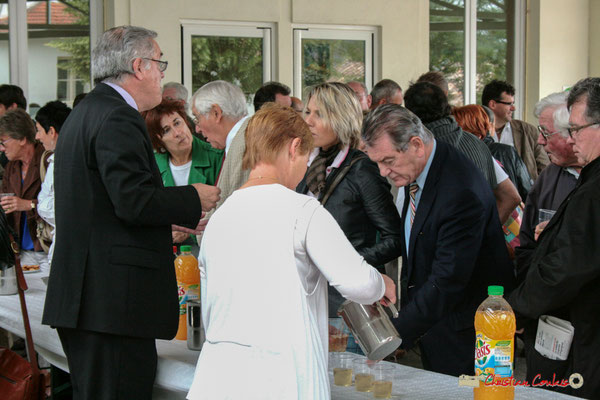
point(176, 363)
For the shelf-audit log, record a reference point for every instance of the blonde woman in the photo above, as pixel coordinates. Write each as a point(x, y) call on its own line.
point(345, 181)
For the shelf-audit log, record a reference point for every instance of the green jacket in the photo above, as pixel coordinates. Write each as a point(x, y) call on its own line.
point(206, 164)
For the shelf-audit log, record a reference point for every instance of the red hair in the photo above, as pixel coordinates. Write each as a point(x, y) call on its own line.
point(473, 119)
point(153, 117)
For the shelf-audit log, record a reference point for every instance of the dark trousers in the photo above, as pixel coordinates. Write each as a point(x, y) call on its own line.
point(448, 351)
point(109, 367)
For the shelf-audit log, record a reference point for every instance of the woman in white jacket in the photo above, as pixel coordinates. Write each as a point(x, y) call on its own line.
point(265, 259)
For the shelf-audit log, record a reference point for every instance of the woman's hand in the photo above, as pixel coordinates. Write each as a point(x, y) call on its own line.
point(390, 291)
point(14, 203)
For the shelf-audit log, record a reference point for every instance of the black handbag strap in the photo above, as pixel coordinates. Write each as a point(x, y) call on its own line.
point(338, 178)
point(22, 287)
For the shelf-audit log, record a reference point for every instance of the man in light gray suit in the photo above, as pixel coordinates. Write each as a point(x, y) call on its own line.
point(220, 114)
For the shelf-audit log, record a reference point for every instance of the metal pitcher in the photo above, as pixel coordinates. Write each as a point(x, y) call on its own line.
point(372, 328)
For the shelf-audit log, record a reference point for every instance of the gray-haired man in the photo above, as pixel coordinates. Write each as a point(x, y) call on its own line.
point(556, 181)
point(112, 288)
point(220, 113)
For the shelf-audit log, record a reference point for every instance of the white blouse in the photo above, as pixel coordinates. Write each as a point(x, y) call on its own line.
point(265, 257)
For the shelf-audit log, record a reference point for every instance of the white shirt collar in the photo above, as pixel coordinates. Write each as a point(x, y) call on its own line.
point(231, 135)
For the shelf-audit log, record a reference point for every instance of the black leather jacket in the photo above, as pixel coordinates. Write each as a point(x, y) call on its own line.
point(513, 165)
point(363, 206)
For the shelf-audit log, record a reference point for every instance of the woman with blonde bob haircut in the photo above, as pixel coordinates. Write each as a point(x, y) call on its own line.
point(265, 258)
point(345, 181)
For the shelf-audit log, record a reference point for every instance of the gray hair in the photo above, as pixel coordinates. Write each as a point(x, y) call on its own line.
point(396, 121)
point(587, 89)
point(226, 95)
point(384, 89)
point(112, 58)
point(180, 90)
point(560, 116)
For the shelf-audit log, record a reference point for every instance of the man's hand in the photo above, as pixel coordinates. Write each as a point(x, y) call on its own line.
point(209, 195)
point(539, 229)
point(390, 291)
point(196, 231)
point(179, 237)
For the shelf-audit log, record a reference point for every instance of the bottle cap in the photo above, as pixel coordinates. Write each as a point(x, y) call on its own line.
point(174, 249)
point(189, 248)
point(495, 290)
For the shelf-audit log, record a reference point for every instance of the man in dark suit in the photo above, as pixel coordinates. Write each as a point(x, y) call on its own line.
point(112, 288)
point(453, 245)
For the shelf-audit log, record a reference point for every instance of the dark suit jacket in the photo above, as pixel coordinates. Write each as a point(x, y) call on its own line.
point(112, 269)
point(456, 250)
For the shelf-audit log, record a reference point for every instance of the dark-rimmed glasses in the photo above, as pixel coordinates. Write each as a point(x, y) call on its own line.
point(575, 129)
point(547, 135)
point(162, 65)
point(3, 143)
point(507, 103)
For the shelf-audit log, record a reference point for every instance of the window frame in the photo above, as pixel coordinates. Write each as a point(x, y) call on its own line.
point(265, 30)
point(470, 54)
point(18, 39)
point(369, 34)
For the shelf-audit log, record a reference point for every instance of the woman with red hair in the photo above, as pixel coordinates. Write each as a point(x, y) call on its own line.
point(181, 158)
point(475, 120)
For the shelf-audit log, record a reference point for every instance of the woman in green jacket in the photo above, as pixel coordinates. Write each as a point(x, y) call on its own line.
point(182, 158)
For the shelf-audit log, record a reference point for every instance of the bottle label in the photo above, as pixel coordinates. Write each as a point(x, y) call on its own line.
point(187, 292)
point(493, 357)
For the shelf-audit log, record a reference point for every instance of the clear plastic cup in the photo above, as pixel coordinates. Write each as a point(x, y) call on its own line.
point(363, 375)
point(342, 369)
point(338, 335)
point(384, 376)
point(545, 215)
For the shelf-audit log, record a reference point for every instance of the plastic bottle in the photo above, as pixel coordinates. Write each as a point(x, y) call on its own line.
point(495, 326)
point(188, 286)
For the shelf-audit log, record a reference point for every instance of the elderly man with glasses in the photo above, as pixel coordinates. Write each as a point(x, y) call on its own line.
point(112, 288)
point(563, 277)
point(499, 96)
point(557, 180)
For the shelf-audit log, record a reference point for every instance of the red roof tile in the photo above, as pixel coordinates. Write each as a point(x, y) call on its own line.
point(37, 14)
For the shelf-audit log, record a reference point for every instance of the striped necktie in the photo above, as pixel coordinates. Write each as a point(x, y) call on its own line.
point(413, 208)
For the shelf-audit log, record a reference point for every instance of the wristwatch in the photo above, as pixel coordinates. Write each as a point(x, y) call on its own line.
point(32, 205)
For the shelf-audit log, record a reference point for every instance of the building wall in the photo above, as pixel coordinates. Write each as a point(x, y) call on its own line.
point(594, 37)
point(404, 27)
point(558, 47)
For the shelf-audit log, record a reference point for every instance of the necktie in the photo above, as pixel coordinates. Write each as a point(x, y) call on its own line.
point(413, 208)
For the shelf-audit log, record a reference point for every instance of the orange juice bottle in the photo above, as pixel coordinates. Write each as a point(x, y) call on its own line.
point(188, 286)
point(495, 326)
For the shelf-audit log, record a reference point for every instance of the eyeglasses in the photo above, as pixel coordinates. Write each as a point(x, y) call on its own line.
point(547, 135)
point(575, 129)
point(3, 143)
point(162, 65)
point(508, 103)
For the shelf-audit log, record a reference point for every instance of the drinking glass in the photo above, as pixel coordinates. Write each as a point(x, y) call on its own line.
point(382, 385)
point(363, 375)
point(338, 335)
point(342, 369)
point(545, 215)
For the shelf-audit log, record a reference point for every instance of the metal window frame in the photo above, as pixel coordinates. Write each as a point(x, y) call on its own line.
point(265, 30)
point(369, 34)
